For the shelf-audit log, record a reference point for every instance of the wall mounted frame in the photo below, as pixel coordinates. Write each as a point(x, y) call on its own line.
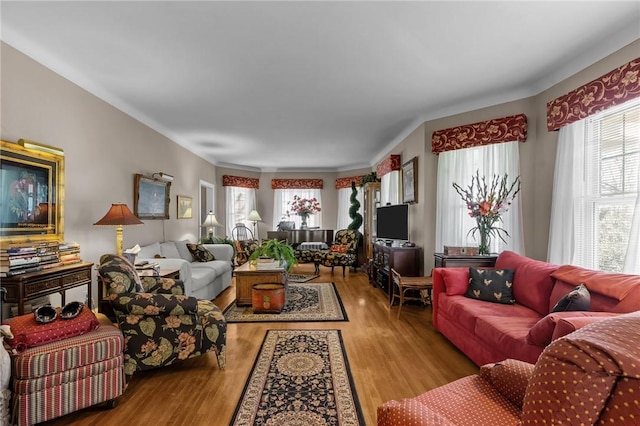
point(185, 207)
point(151, 198)
point(31, 194)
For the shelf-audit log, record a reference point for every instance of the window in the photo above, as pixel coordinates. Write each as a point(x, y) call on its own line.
point(611, 176)
point(240, 201)
point(280, 206)
point(452, 217)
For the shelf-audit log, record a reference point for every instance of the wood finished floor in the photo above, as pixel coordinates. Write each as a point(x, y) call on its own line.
point(390, 358)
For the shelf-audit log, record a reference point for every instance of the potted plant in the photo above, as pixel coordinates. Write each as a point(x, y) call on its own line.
point(277, 250)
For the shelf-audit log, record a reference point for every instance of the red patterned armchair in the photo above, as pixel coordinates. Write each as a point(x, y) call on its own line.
point(591, 376)
point(160, 325)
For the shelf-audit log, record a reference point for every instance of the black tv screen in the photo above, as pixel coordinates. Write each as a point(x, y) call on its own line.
point(392, 222)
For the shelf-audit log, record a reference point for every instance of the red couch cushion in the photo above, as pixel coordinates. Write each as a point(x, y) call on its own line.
point(456, 280)
point(510, 335)
point(532, 282)
point(617, 286)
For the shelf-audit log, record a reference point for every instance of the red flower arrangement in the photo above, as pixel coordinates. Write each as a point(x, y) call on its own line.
point(304, 206)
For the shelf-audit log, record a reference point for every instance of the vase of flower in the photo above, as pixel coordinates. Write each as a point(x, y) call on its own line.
point(304, 217)
point(487, 202)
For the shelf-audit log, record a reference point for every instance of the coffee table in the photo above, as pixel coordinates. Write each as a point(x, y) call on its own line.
point(266, 272)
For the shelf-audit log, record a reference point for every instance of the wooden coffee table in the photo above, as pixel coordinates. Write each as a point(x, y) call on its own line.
point(266, 272)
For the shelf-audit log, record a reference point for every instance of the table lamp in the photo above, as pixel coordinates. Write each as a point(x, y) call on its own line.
point(210, 222)
point(119, 215)
point(254, 217)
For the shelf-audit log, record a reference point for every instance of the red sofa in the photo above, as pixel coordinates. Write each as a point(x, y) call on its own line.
point(491, 332)
point(597, 372)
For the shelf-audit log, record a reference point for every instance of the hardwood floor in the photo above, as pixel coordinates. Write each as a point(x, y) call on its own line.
point(390, 358)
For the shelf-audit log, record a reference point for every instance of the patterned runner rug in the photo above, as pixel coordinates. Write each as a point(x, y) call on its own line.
point(305, 302)
point(300, 377)
point(301, 278)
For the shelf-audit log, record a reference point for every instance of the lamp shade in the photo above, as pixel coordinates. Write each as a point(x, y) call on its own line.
point(119, 214)
point(210, 220)
point(254, 216)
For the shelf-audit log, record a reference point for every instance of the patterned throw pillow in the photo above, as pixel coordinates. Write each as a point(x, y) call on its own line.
point(577, 299)
point(491, 285)
point(339, 248)
point(200, 253)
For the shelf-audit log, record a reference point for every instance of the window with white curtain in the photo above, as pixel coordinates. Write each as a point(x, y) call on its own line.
point(595, 220)
point(452, 216)
point(280, 206)
point(390, 188)
point(240, 201)
point(344, 204)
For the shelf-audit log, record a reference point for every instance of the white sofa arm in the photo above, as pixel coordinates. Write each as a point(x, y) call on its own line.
point(221, 251)
point(171, 263)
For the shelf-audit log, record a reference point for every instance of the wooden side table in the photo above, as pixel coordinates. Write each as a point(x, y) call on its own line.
point(32, 285)
point(450, 261)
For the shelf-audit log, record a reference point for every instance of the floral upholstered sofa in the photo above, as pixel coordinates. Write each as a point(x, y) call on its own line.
point(201, 278)
point(590, 376)
point(159, 323)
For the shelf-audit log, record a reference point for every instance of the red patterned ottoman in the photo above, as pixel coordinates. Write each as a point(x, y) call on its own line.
point(61, 377)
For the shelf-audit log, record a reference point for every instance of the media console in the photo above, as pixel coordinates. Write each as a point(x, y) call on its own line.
point(405, 260)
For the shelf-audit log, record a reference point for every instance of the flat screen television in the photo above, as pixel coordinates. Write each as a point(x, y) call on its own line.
point(392, 222)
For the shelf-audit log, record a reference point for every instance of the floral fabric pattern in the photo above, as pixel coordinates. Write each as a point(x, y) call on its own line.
point(388, 165)
point(200, 253)
point(240, 181)
point(163, 325)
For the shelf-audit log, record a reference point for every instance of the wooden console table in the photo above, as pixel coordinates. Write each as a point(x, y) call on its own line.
point(446, 261)
point(32, 285)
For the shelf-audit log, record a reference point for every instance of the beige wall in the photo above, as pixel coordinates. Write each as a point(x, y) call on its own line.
point(104, 148)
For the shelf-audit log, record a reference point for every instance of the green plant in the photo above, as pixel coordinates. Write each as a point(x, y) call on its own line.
point(353, 210)
point(371, 177)
point(277, 250)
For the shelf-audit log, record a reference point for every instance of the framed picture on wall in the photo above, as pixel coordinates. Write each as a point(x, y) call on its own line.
point(410, 181)
point(151, 198)
point(185, 207)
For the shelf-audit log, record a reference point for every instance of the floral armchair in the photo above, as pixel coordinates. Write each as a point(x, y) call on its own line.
point(343, 252)
point(159, 323)
point(244, 248)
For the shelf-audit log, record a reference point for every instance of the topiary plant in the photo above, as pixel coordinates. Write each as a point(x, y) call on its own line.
point(353, 210)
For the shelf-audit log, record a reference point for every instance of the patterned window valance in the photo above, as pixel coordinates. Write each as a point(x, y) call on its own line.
point(243, 182)
point(388, 165)
point(296, 183)
point(615, 87)
point(498, 130)
point(345, 182)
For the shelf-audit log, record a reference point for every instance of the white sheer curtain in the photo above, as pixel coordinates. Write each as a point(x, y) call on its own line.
point(569, 190)
point(344, 204)
point(390, 188)
point(240, 201)
point(452, 219)
point(282, 196)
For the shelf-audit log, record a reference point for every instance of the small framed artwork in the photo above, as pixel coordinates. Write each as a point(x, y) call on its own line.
point(185, 207)
point(410, 181)
point(151, 198)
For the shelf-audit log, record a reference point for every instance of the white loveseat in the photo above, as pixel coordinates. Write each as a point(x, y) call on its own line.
point(204, 280)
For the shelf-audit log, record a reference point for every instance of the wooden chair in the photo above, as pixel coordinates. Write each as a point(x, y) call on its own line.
point(421, 284)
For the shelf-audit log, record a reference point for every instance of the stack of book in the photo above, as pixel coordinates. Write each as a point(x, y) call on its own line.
point(146, 268)
point(69, 253)
point(20, 259)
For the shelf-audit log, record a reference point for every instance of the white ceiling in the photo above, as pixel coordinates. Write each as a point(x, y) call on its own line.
point(312, 85)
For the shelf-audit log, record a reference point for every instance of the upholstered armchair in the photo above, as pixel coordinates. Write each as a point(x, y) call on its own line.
point(159, 323)
point(343, 252)
point(244, 248)
point(590, 376)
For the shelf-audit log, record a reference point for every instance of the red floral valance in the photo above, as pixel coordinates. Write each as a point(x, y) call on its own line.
point(243, 182)
point(615, 87)
point(388, 165)
point(345, 182)
point(297, 183)
point(498, 130)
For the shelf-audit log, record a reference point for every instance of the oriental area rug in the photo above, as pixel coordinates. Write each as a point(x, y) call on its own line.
point(305, 302)
point(301, 278)
point(300, 377)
